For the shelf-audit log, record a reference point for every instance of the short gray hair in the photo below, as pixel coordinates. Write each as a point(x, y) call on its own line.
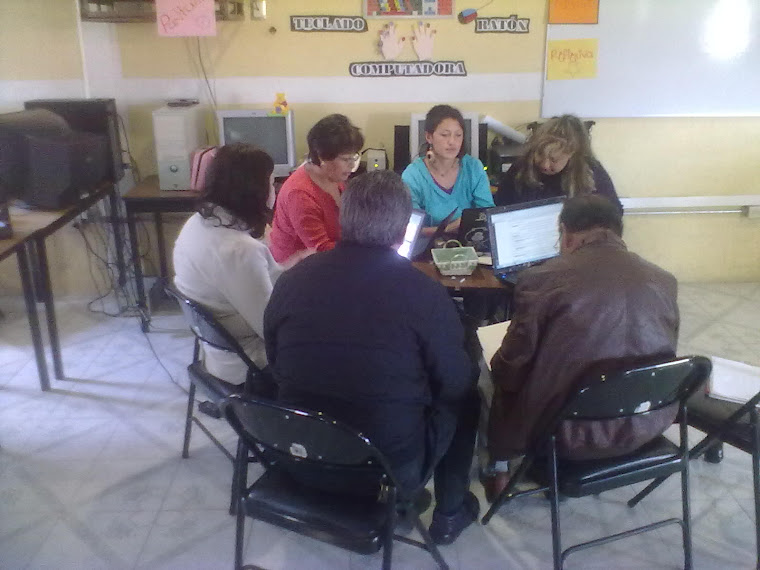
point(375, 209)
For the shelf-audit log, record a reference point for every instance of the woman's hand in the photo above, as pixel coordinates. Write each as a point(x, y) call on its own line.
point(453, 227)
point(297, 256)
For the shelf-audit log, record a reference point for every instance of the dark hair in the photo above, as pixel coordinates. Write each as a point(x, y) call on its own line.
point(238, 181)
point(438, 114)
point(375, 209)
point(591, 211)
point(331, 136)
point(568, 134)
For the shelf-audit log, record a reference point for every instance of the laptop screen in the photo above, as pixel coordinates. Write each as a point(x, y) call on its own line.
point(412, 231)
point(524, 234)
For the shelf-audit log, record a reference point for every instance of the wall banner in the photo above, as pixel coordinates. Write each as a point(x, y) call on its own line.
point(510, 25)
point(328, 24)
point(407, 68)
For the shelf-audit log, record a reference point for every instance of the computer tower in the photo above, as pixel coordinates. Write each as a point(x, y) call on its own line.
point(178, 131)
point(97, 116)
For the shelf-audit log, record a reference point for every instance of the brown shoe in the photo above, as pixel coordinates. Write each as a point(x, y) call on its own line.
point(494, 485)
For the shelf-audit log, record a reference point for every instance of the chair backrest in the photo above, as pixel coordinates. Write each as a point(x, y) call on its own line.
point(639, 390)
point(206, 328)
point(302, 440)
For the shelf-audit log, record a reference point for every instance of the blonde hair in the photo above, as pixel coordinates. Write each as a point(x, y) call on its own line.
point(565, 134)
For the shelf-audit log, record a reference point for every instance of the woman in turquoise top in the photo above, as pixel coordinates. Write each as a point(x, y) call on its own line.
point(446, 177)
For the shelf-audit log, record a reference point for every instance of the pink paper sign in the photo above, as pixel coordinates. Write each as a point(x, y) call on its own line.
point(185, 18)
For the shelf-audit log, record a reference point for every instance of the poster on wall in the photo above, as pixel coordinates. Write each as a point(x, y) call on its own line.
point(392, 45)
point(183, 18)
point(571, 59)
point(328, 24)
point(408, 8)
point(573, 11)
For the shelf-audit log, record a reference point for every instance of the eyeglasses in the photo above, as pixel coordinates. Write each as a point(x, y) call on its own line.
point(349, 160)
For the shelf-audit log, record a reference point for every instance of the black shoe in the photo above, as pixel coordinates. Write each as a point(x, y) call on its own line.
point(210, 409)
point(445, 529)
point(404, 519)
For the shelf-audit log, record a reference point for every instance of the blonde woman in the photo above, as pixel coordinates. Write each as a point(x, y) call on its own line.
point(558, 161)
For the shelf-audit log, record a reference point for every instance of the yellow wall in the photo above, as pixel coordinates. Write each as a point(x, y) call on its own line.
point(38, 40)
point(248, 48)
point(646, 157)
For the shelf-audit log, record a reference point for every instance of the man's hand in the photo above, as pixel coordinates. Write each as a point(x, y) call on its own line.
point(453, 227)
point(390, 44)
point(422, 41)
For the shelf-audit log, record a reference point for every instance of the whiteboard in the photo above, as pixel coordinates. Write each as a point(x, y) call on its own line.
point(666, 58)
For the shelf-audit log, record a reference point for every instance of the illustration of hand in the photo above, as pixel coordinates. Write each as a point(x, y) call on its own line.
point(422, 41)
point(390, 45)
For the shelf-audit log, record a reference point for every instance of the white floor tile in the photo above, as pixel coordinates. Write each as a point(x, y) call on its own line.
point(94, 540)
point(91, 474)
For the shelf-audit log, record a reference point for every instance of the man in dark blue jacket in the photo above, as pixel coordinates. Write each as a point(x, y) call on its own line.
point(361, 335)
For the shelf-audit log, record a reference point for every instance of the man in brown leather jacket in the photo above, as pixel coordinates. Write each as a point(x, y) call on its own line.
point(595, 302)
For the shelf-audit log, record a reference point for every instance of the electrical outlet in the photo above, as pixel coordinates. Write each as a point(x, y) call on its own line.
point(258, 9)
point(375, 160)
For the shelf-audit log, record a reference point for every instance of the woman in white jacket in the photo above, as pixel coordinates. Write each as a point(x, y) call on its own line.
point(221, 260)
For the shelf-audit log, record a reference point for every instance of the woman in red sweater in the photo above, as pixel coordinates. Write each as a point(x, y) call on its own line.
point(308, 204)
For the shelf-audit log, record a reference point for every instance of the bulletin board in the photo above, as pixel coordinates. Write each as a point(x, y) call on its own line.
point(649, 58)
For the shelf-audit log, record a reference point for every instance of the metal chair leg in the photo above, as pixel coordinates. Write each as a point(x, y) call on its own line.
point(239, 482)
point(686, 499)
point(554, 500)
point(239, 535)
point(188, 420)
point(391, 524)
point(505, 494)
point(238, 466)
point(756, 476)
point(431, 546)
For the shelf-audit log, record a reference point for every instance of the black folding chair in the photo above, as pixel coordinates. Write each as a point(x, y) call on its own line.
point(619, 394)
point(729, 422)
point(322, 479)
point(207, 329)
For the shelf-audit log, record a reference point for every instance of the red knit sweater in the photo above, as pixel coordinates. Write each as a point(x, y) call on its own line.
point(305, 216)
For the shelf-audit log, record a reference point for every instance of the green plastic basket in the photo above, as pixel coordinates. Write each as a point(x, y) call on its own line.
point(455, 260)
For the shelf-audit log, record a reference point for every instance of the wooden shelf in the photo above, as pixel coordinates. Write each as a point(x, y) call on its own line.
point(122, 11)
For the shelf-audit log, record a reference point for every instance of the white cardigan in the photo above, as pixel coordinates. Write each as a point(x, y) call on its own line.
point(232, 274)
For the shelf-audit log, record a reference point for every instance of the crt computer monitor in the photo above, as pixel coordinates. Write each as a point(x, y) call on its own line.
point(417, 134)
point(272, 133)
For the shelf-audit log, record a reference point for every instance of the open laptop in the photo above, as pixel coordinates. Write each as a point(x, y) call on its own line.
point(413, 229)
point(416, 246)
point(473, 230)
point(423, 245)
point(523, 235)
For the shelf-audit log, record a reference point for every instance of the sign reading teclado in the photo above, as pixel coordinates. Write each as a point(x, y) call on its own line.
point(407, 68)
point(328, 24)
point(509, 25)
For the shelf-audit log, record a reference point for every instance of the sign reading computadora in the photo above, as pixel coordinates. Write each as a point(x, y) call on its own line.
point(407, 68)
point(328, 24)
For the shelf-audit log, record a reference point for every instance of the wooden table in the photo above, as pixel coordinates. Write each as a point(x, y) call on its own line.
point(481, 278)
point(147, 197)
point(30, 229)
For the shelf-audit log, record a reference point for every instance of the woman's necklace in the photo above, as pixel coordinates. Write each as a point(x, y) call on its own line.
point(444, 174)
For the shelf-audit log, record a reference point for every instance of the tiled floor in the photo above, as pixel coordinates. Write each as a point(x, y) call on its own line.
point(91, 474)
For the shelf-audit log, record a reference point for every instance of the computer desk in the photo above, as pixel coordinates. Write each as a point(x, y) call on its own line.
point(147, 197)
point(30, 230)
point(481, 278)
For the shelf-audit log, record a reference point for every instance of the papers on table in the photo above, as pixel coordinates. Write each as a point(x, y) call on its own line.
point(733, 381)
point(490, 338)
